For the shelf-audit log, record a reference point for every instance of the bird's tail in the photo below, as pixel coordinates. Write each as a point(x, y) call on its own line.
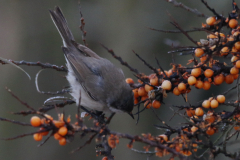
point(62, 26)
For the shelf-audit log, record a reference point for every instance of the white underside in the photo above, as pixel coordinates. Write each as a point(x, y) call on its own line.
point(77, 91)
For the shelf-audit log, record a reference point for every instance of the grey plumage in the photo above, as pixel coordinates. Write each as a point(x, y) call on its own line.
point(101, 85)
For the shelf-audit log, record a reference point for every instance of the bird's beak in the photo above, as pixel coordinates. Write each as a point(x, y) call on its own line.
point(130, 113)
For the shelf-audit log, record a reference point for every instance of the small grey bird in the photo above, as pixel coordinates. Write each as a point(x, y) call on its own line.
point(99, 83)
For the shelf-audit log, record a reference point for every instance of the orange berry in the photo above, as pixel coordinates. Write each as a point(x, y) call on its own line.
point(236, 127)
point(63, 131)
point(203, 58)
point(206, 104)
point(218, 79)
point(156, 104)
point(214, 103)
point(196, 72)
point(43, 133)
point(57, 136)
point(104, 158)
point(237, 45)
point(199, 84)
point(211, 21)
point(181, 86)
point(234, 70)
point(221, 98)
point(35, 121)
point(48, 118)
point(210, 131)
point(237, 65)
point(37, 137)
point(235, 76)
point(208, 73)
point(192, 80)
point(206, 85)
point(129, 81)
point(144, 98)
point(135, 93)
point(198, 52)
point(190, 112)
point(194, 129)
point(199, 111)
point(176, 91)
point(164, 137)
point(148, 88)
point(136, 101)
point(229, 79)
point(62, 141)
point(224, 51)
point(147, 104)
point(166, 85)
point(142, 91)
point(154, 81)
point(233, 23)
point(58, 124)
point(234, 59)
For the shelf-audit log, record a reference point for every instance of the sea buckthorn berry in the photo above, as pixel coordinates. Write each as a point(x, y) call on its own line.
point(104, 158)
point(214, 103)
point(190, 112)
point(63, 131)
point(221, 98)
point(192, 80)
point(199, 111)
point(203, 58)
point(136, 101)
point(237, 65)
point(176, 91)
point(181, 86)
point(224, 51)
point(35, 121)
point(235, 76)
point(229, 79)
point(62, 141)
point(210, 131)
point(58, 124)
point(156, 104)
point(135, 93)
point(234, 59)
point(199, 52)
point(37, 137)
point(166, 85)
point(194, 129)
point(148, 88)
point(211, 21)
point(237, 45)
point(234, 70)
point(233, 23)
point(144, 98)
point(206, 104)
point(206, 85)
point(218, 79)
point(129, 81)
point(154, 81)
point(236, 127)
point(142, 91)
point(164, 137)
point(57, 136)
point(208, 73)
point(147, 104)
point(196, 72)
point(199, 84)
point(43, 133)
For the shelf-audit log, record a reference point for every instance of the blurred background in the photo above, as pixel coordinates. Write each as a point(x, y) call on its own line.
point(27, 33)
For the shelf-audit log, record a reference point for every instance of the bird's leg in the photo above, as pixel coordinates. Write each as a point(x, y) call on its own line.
point(99, 116)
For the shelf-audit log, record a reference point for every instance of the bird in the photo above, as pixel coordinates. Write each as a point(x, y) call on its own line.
point(95, 82)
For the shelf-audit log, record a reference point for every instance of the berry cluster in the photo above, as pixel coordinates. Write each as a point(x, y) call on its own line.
point(60, 128)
